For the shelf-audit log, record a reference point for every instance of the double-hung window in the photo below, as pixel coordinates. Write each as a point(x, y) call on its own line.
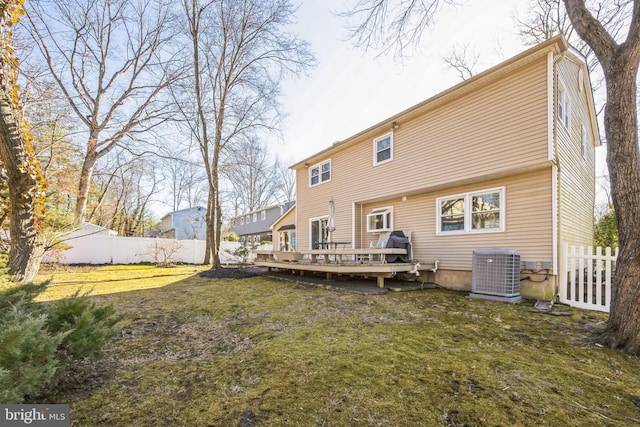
point(476, 212)
point(263, 215)
point(255, 217)
point(564, 107)
point(383, 149)
point(320, 173)
point(379, 220)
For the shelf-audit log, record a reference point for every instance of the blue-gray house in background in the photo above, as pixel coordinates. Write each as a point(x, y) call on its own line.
point(255, 226)
point(185, 224)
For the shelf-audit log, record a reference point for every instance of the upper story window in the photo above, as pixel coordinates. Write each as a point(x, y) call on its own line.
point(564, 107)
point(476, 212)
point(233, 222)
point(255, 217)
point(320, 173)
point(247, 219)
point(380, 219)
point(263, 215)
point(383, 149)
point(241, 220)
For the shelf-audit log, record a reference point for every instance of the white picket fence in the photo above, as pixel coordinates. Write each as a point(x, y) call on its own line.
point(102, 249)
point(585, 277)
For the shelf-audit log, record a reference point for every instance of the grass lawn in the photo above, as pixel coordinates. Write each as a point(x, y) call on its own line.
point(211, 352)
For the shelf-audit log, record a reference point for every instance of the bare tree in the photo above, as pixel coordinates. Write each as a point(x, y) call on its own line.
point(109, 58)
point(618, 53)
point(391, 26)
point(463, 60)
point(124, 195)
point(286, 182)
point(240, 53)
point(251, 174)
point(185, 180)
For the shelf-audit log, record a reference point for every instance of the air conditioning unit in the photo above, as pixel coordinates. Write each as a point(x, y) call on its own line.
point(496, 275)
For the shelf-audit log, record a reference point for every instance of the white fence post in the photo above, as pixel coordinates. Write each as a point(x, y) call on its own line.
point(582, 285)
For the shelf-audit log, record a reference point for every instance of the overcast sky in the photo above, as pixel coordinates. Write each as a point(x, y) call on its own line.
point(351, 90)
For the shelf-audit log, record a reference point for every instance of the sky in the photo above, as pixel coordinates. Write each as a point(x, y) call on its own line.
point(351, 89)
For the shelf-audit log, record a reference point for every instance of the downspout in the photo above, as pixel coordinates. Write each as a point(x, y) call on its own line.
point(558, 178)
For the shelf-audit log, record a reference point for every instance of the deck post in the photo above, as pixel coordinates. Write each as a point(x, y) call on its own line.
point(380, 281)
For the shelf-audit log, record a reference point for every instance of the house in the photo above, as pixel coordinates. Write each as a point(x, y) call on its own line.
point(504, 159)
point(89, 230)
point(255, 226)
point(185, 224)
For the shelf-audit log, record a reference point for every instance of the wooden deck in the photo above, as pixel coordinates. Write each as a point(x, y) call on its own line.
point(357, 262)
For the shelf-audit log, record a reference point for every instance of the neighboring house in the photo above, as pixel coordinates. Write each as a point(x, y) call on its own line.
point(255, 226)
point(88, 230)
point(504, 159)
point(286, 230)
point(185, 224)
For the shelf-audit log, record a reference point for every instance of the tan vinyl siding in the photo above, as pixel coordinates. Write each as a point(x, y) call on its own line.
point(528, 227)
point(577, 178)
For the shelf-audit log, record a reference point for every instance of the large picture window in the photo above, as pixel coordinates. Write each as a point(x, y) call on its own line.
point(320, 173)
point(476, 212)
point(380, 219)
point(383, 149)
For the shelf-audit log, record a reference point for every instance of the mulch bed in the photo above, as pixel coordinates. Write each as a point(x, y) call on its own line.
point(229, 273)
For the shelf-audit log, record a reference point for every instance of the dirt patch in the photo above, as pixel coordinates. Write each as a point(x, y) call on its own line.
point(230, 273)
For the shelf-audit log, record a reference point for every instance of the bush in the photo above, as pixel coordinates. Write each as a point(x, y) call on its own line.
point(242, 253)
point(27, 362)
point(605, 232)
point(38, 342)
point(87, 327)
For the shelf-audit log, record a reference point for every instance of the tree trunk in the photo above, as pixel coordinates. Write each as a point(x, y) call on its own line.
point(26, 250)
point(619, 63)
point(84, 185)
point(623, 158)
point(209, 223)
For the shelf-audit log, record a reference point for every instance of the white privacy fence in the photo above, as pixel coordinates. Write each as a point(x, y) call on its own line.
point(100, 249)
point(585, 277)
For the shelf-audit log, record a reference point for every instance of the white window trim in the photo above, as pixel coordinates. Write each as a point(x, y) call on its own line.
point(375, 149)
point(255, 217)
point(319, 167)
point(468, 211)
point(379, 211)
point(565, 119)
point(263, 215)
point(311, 220)
point(241, 220)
